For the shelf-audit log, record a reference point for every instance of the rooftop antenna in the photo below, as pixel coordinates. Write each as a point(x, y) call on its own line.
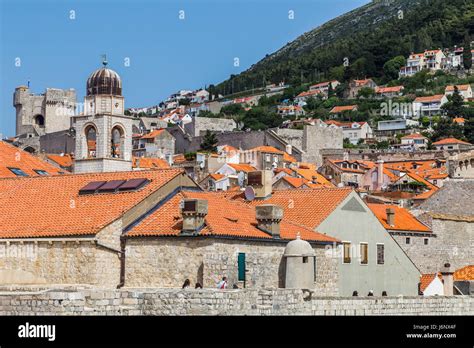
point(104, 60)
point(28, 83)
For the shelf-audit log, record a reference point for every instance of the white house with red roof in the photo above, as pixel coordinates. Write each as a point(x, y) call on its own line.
point(389, 92)
point(324, 86)
point(414, 141)
point(464, 90)
point(452, 144)
point(354, 131)
point(428, 106)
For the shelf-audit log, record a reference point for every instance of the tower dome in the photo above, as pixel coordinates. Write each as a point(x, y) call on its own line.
point(104, 81)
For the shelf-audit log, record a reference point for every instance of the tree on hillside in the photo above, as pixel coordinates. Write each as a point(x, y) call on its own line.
point(392, 67)
point(469, 129)
point(446, 128)
point(209, 142)
point(455, 105)
point(467, 55)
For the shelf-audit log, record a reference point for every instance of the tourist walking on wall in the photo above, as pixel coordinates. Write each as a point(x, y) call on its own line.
point(222, 284)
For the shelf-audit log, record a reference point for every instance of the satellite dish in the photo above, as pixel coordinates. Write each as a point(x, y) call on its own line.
point(249, 193)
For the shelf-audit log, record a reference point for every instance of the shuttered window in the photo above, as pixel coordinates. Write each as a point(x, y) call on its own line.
point(380, 254)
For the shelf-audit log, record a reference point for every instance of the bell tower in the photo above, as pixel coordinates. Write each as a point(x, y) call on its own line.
point(103, 131)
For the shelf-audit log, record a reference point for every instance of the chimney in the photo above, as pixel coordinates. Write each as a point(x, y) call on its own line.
point(269, 217)
point(390, 217)
point(448, 280)
point(379, 174)
point(289, 149)
point(194, 212)
point(261, 182)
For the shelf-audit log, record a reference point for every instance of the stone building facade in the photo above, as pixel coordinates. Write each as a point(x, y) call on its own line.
point(167, 262)
point(450, 214)
point(44, 113)
point(104, 132)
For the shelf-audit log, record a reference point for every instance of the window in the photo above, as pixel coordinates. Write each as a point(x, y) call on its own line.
point(41, 172)
point(305, 259)
point(364, 253)
point(268, 158)
point(426, 241)
point(380, 254)
point(407, 240)
point(18, 172)
point(347, 252)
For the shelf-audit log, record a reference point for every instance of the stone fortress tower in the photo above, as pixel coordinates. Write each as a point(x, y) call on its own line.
point(103, 132)
point(40, 114)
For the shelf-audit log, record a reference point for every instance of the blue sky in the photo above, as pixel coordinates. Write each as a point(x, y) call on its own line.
point(166, 53)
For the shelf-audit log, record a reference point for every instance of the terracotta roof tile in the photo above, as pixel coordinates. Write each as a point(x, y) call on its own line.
point(153, 134)
point(150, 163)
point(403, 220)
point(465, 273)
point(224, 218)
point(308, 207)
point(338, 109)
point(52, 207)
point(242, 167)
point(64, 161)
point(13, 157)
point(451, 141)
point(426, 280)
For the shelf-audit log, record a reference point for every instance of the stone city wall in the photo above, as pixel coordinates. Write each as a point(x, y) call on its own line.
point(167, 262)
point(219, 302)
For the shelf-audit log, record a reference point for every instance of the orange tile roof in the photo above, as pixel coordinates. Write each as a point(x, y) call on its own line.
point(65, 212)
point(288, 158)
point(295, 182)
point(459, 120)
point(414, 136)
point(179, 158)
point(460, 88)
point(225, 218)
point(426, 279)
point(465, 273)
point(242, 167)
point(64, 161)
point(434, 98)
point(13, 157)
point(451, 141)
point(150, 162)
point(267, 149)
point(217, 177)
point(310, 175)
point(153, 134)
point(308, 93)
point(404, 221)
point(338, 109)
point(285, 170)
point(308, 207)
point(393, 89)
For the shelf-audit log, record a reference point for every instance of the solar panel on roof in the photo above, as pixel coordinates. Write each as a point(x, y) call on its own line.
point(111, 185)
point(133, 184)
point(91, 187)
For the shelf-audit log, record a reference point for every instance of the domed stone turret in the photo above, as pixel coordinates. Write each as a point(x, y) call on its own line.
point(300, 263)
point(104, 81)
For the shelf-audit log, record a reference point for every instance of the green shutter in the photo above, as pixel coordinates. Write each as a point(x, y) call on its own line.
point(241, 263)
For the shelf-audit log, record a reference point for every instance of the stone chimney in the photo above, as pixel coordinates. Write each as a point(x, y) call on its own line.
point(379, 174)
point(269, 217)
point(261, 182)
point(447, 273)
point(194, 212)
point(390, 217)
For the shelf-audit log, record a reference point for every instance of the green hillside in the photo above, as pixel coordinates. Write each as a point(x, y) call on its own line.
point(368, 37)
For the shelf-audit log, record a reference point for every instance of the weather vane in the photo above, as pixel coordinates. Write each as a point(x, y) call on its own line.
point(104, 60)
